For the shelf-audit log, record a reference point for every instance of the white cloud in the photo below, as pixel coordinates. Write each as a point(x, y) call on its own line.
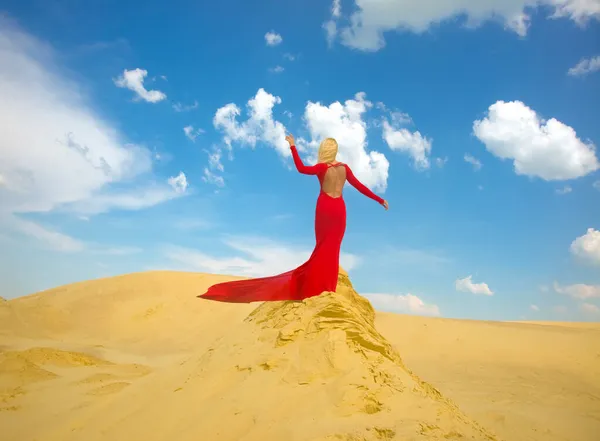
point(136, 199)
point(330, 31)
point(413, 143)
point(564, 190)
point(212, 178)
point(55, 152)
point(179, 182)
point(273, 38)
point(290, 57)
point(579, 291)
point(134, 81)
point(589, 308)
point(252, 257)
point(467, 285)
point(596, 185)
point(192, 133)
point(276, 69)
point(215, 166)
point(580, 11)
point(441, 162)
point(52, 239)
point(534, 307)
point(179, 107)
point(476, 163)
point(259, 127)
point(345, 123)
point(371, 19)
point(585, 66)
point(587, 247)
point(336, 8)
point(408, 304)
point(214, 160)
point(549, 149)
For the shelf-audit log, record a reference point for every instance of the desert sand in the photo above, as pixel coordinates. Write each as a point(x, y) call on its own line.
point(139, 357)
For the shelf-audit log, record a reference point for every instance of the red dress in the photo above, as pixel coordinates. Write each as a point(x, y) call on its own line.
point(320, 272)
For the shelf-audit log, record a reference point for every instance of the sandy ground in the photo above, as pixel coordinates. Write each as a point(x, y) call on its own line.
point(140, 357)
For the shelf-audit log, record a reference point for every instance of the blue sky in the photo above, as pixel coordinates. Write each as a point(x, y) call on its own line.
point(138, 136)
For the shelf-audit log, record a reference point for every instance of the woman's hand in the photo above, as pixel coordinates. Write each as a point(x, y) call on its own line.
point(290, 138)
point(385, 204)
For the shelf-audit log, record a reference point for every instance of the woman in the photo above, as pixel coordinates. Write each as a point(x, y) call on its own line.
point(320, 272)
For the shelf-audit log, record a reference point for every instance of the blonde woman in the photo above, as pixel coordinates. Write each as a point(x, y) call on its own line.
point(320, 272)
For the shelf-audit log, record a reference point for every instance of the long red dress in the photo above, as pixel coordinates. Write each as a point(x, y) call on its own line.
point(320, 272)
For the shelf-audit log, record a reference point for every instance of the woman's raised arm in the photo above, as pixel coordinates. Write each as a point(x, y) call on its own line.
point(362, 188)
point(304, 169)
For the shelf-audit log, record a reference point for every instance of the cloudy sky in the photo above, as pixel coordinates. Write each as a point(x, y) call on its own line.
point(145, 135)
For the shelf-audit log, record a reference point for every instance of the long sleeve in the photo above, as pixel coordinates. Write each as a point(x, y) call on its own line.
point(304, 169)
point(360, 186)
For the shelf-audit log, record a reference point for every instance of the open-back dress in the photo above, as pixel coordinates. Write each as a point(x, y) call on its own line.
point(320, 272)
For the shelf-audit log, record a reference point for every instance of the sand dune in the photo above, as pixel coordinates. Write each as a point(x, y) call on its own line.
point(140, 357)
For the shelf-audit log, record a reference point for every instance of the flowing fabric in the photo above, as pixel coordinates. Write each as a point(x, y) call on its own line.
point(320, 272)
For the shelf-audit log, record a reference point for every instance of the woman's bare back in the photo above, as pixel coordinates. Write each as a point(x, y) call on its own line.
point(334, 180)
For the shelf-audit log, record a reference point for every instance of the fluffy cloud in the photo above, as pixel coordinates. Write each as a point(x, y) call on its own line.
point(549, 149)
point(408, 303)
point(587, 247)
point(476, 163)
point(345, 123)
point(589, 308)
point(215, 166)
point(579, 291)
point(467, 285)
point(399, 138)
point(252, 257)
point(535, 308)
point(55, 152)
point(192, 133)
point(211, 177)
point(413, 143)
point(273, 38)
point(134, 81)
point(259, 127)
point(179, 182)
point(585, 66)
point(336, 8)
point(370, 19)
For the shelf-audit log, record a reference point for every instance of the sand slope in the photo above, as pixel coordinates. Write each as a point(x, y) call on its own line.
point(139, 357)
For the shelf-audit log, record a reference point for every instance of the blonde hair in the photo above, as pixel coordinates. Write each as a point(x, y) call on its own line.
point(328, 150)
